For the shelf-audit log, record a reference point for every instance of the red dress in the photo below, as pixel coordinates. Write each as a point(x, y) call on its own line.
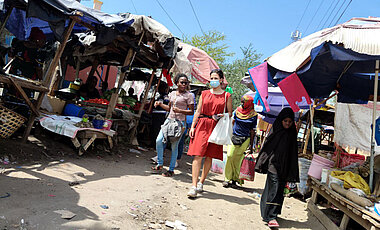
point(199, 145)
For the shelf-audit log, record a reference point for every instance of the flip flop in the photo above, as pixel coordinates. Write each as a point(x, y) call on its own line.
point(273, 224)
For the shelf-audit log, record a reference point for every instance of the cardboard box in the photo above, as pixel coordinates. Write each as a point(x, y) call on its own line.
point(57, 104)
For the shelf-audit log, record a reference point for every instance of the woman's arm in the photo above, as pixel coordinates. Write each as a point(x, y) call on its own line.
point(184, 111)
point(229, 105)
point(162, 105)
point(196, 116)
point(253, 133)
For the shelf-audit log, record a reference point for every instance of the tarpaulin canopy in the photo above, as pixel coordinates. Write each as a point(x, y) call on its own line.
point(195, 62)
point(52, 15)
point(277, 102)
point(358, 34)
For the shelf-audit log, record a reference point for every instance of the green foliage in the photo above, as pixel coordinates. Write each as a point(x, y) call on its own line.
point(235, 71)
point(213, 43)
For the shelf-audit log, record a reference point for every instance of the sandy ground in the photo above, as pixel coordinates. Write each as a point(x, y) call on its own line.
point(137, 199)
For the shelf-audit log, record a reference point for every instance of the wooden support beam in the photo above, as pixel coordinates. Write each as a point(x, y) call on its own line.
point(58, 54)
point(33, 117)
point(2, 26)
point(77, 68)
point(48, 76)
point(146, 92)
point(154, 94)
point(26, 98)
point(94, 67)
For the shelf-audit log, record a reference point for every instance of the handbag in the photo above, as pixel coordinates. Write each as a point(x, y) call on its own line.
point(247, 169)
point(237, 140)
point(222, 132)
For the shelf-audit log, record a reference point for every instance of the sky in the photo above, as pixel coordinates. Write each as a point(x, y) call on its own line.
point(267, 25)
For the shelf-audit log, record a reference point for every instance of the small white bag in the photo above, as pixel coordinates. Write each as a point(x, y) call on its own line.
point(222, 133)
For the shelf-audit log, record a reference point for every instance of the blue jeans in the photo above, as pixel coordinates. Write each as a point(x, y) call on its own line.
point(160, 147)
point(181, 144)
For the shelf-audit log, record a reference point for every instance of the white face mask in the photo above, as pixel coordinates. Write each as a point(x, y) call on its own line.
point(214, 83)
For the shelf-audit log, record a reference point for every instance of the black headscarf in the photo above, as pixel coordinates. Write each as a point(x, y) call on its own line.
point(282, 144)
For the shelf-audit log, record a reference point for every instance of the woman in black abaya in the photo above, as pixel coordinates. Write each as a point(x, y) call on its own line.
point(279, 160)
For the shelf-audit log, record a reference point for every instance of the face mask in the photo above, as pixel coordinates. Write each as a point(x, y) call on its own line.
point(214, 83)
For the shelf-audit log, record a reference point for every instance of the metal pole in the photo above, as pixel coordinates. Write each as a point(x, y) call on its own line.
point(373, 125)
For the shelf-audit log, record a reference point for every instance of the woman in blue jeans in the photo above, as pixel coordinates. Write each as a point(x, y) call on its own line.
point(181, 104)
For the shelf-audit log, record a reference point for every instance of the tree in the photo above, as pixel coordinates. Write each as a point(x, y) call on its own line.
point(235, 71)
point(213, 43)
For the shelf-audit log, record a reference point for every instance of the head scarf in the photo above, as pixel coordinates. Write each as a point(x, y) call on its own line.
point(285, 113)
point(36, 34)
point(247, 109)
point(281, 149)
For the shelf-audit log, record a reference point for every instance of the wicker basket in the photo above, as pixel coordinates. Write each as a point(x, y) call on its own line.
point(9, 122)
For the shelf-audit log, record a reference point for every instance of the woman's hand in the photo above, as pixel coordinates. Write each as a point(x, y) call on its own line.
point(157, 103)
point(177, 110)
point(191, 132)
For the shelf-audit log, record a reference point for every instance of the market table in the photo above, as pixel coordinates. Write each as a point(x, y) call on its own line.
point(82, 138)
point(369, 220)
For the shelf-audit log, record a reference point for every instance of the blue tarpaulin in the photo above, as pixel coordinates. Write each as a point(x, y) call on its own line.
point(323, 73)
point(52, 17)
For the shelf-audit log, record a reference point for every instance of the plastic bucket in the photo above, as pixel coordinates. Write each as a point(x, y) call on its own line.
point(98, 124)
point(73, 110)
point(317, 164)
point(303, 165)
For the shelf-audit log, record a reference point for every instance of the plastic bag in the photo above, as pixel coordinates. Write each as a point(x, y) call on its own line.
point(247, 169)
point(222, 133)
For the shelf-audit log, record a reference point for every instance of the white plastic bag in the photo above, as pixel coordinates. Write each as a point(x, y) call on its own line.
point(222, 132)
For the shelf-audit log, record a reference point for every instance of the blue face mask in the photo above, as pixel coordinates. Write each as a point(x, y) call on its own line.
point(214, 83)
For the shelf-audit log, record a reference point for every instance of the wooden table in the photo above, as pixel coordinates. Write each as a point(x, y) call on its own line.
point(85, 138)
point(351, 210)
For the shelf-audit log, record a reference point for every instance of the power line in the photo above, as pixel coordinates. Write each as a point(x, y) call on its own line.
point(330, 14)
point(134, 6)
point(314, 16)
point(196, 17)
point(336, 14)
point(303, 14)
point(343, 12)
point(170, 18)
point(324, 16)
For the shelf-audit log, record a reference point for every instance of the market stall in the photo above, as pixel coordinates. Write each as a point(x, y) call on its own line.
point(314, 67)
point(50, 17)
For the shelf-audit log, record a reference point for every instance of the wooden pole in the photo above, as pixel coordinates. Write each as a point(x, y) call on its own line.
point(2, 26)
point(58, 54)
point(312, 128)
point(94, 67)
point(154, 94)
point(132, 133)
point(77, 68)
point(127, 62)
point(48, 76)
point(111, 106)
point(372, 157)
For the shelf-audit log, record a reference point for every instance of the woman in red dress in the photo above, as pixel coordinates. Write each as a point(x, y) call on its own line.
point(210, 108)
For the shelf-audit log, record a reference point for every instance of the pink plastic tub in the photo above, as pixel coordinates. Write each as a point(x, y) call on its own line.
point(317, 164)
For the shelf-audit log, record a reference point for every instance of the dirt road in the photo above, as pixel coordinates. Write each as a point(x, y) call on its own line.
point(136, 199)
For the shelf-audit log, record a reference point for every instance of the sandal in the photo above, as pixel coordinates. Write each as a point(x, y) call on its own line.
point(157, 168)
point(168, 174)
point(273, 224)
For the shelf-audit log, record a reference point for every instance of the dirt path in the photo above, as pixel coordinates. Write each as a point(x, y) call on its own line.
point(136, 198)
